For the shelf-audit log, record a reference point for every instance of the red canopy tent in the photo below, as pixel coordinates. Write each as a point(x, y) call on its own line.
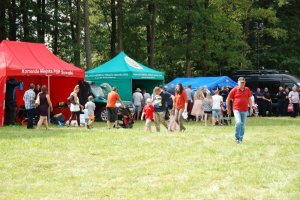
point(34, 63)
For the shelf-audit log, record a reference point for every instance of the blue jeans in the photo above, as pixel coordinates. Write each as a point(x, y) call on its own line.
point(240, 120)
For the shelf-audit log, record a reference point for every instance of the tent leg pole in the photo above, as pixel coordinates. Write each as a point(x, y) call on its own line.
point(49, 95)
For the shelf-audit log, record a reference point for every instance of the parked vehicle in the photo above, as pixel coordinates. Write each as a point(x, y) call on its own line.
point(271, 79)
point(99, 92)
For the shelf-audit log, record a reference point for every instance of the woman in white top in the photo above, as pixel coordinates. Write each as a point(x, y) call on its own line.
point(75, 106)
point(216, 107)
point(294, 99)
point(207, 107)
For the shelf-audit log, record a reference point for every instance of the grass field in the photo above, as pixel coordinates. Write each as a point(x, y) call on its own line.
point(201, 163)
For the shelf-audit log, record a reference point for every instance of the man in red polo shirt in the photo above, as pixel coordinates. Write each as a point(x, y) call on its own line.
point(241, 97)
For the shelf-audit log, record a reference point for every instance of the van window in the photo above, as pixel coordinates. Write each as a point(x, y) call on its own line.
point(271, 85)
point(252, 85)
point(288, 84)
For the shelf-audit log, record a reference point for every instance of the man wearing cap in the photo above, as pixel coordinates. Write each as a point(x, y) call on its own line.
point(112, 115)
point(241, 97)
point(137, 99)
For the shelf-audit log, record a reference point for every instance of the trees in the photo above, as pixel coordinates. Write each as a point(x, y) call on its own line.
point(180, 37)
point(12, 18)
point(87, 36)
point(113, 30)
point(41, 12)
point(120, 25)
point(151, 31)
point(3, 10)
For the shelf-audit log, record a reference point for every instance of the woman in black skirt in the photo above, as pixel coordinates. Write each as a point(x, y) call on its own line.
point(45, 105)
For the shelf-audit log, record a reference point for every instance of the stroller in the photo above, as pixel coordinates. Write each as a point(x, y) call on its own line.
point(125, 117)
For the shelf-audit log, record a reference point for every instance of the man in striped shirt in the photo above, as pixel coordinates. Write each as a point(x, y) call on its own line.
point(28, 98)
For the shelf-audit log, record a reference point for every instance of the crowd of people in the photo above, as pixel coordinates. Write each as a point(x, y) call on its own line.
point(170, 106)
point(179, 101)
point(38, 105)
point(175, 101)
point(285, 97)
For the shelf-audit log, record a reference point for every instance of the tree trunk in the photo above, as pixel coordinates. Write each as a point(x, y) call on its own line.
point(120, 25)
point(3, 33)
point(188, 70)
point(113, 36)
point(39, 18)
point(55, 29)
point(189, 26)
point(87, 42)
point(25, 23)
point(206, 4)
point(42, 33)
point(78, 33)
point(41, 21)
point(12, 20)
point(72, 28)
point(151, 33)
point(204, 46)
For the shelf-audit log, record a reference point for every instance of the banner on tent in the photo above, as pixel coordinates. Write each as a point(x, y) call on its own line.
point(108, 76)
point(147, 76)
point(46, 71)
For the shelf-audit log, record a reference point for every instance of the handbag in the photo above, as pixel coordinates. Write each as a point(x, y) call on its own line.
point(74, 108)
point(290, 108)
point(37, 101)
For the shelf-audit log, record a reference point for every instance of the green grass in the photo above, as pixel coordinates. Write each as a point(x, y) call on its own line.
point(201, 163)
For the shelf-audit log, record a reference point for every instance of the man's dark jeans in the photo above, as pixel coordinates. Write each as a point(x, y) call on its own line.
point(30, 115)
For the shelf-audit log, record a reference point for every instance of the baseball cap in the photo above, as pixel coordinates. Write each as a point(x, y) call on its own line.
point(241, 79)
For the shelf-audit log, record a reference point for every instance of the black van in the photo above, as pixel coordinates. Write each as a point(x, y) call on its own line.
point(271, 79)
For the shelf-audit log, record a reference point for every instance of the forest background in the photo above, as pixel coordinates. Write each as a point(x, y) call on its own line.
point(180, 37)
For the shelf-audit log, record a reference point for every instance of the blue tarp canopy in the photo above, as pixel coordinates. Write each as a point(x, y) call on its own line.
point(210, 82)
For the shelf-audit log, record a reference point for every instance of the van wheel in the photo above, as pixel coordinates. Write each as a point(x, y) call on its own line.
point(103, 114)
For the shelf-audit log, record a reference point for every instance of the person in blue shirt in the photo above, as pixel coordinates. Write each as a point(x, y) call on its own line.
point(29, 99)
point(171, 90)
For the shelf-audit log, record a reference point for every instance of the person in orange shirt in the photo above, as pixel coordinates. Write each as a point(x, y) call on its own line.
point(111, 108)
point(180, 105)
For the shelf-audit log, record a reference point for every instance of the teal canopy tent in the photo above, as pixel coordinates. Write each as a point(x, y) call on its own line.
point(126, 74)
